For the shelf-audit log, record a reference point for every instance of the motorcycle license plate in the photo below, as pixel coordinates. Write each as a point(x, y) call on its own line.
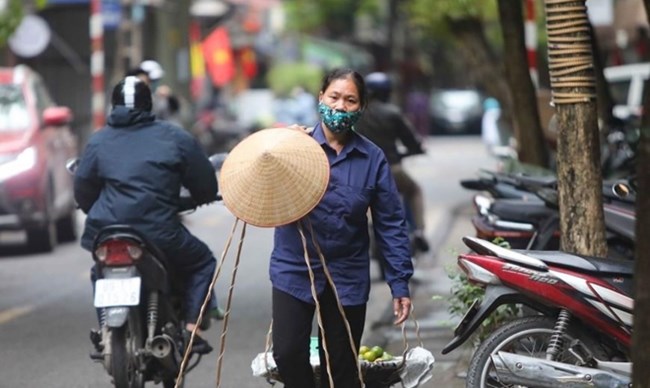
point(117, 292)
point(469, 314)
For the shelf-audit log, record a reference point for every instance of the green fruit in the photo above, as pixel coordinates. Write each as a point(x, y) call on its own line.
point(378, 351)
point(369, 356)
point(363, 349)
point(385, 357)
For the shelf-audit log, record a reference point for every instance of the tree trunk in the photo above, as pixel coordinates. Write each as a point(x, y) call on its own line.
point(605, 100)
point(582, 223)
point(481, 61)
point(528, 130)
point(641, 334)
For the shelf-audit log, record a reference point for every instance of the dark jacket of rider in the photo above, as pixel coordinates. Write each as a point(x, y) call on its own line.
point(384, 124)
point(131, 173)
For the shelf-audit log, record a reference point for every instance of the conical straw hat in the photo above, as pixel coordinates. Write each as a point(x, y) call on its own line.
point(274, 177)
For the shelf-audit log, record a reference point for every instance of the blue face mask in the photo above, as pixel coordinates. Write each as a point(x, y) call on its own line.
point(338, 121)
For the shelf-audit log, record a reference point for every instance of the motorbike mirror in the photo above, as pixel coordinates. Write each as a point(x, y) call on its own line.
point(621, 190)
point(71, 165)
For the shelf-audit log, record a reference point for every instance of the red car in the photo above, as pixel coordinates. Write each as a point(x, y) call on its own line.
point(35, 143)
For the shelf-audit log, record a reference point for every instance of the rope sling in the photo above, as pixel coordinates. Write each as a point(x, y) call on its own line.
point(187, 353)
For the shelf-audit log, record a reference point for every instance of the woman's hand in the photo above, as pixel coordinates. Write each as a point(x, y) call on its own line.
point(401, 309)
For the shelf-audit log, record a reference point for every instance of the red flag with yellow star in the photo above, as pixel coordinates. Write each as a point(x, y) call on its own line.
point(218, 57)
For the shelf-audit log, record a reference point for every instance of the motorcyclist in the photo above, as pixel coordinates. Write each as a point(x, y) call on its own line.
point(166, 105)
point(385, 125)
point(131, 172)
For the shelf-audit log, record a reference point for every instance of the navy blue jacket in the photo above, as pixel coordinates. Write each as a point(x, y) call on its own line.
point(360, 178)
point(131, 172)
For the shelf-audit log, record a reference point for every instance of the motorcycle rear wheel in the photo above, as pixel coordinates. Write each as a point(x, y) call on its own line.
point(125, 342)
point(526, 336)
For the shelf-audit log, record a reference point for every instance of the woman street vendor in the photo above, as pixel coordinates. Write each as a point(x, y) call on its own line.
point(360, 178)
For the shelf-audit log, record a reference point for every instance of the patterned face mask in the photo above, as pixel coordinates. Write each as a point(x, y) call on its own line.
point(338, 121)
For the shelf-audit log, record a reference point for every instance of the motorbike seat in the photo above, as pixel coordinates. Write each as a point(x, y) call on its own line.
point(528, 181)
point(522, 211)
point(584, 263)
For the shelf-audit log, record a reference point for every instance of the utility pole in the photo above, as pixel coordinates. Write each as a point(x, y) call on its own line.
point(97, 64)
point(128, 39)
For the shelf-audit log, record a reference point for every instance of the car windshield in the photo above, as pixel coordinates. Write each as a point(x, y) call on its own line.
point(14, 115)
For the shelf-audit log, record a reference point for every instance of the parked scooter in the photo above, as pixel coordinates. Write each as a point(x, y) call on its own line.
point(581, 336)
point(139, 304)
point(532, 221)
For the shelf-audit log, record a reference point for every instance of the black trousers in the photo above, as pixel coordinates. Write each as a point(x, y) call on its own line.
point(292, 325)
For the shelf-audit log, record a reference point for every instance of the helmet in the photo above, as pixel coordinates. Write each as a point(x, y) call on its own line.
point(379, 85)
point(153, 69)
point(133, 93)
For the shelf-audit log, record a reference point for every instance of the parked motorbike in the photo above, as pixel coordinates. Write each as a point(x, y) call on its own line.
point(508, 185)
point(580, 335)
point(532, 221)
point(139, 304)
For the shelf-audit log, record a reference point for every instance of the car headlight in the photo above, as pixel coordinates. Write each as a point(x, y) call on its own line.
point(24, 161)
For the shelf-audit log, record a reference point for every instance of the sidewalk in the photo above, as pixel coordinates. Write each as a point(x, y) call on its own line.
point(436, 324)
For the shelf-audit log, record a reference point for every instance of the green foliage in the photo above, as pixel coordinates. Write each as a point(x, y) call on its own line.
point(464, 293)
point(283, 77)
point(430, 15)
point(10, 19)
point(309, 15)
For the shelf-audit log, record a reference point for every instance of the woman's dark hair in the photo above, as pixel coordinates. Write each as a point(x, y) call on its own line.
point(344, 73)
point(133, 93)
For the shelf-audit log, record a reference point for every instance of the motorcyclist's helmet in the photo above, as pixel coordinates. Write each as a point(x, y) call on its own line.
point(153, 69)
point(133, 93)
point(379, 85)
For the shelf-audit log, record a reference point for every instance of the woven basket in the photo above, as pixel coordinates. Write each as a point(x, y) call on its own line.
point(375, 374)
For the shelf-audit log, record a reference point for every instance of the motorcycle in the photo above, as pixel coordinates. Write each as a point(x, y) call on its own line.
point(139, 305)
point(533, 222)
point(580, 334)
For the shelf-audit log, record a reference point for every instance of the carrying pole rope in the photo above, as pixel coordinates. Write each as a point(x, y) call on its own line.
point(345, 320)
point(217, 272)
point(267, 349)
point(226, 317)
point(314, 294)
point(328, 275)
point(569, 52)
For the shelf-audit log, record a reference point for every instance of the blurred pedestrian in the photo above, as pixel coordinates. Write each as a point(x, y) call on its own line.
point(417, 110)
point(297, 108)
